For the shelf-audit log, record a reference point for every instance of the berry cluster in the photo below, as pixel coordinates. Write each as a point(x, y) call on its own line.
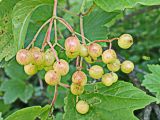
point(34, 59)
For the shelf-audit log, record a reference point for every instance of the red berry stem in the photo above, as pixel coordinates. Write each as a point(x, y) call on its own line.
point(54, 52)
point(64, 85)
point(110, 45)
point(109, 40)
point(81, 61)
point(81, 29)
point(77, 62)
point(54, 98)
point(65, 23)
point(55, 8)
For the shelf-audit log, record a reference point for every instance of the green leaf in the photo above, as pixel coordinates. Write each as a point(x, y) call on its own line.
point(30, 113)
point(7, 47)
point(152, 80)
point(108, 103)
point(6, 6)
point(15, 89)
point(4, 107)
point(59, 116)
point(112, 5)
point(15, 71)
point(44, 112)
point(22, 13)
point(94, 24)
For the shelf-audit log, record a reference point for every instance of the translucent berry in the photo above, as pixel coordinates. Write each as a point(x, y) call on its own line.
point(82, 107)
point(79, 77)
point(127, 66)
point(115, 66)
point(33, 49)
point(83, 50)
point(52, 78)
point(72, 44)
point(23, 57)
point(77, 89)
point(109, 56)
point(37, 56)
point(125, 41)
point(94, 50)
point(90, 60)
point(72, 54)
point(108, 79)
point(49, 58)
point(96, 72)
point(61, 67)
point(30, 69)
point(115, 77)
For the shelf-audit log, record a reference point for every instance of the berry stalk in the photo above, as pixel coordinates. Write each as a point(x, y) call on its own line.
point(54, 98)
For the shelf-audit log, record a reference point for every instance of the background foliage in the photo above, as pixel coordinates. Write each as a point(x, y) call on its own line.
point(19, 21)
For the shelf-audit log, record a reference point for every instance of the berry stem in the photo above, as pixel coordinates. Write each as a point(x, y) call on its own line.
point(64, 85)
point(55, 8)
point(109, 40)
point(81, 61)
point(55, 21)
point(65, 23)
point(54, 98)
point(36, 35)
point(55, 31)
point(83, 37)
point(77, 62)
point(110, 45)
point(81, 29)
point(81, 22)
point(54, 52)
